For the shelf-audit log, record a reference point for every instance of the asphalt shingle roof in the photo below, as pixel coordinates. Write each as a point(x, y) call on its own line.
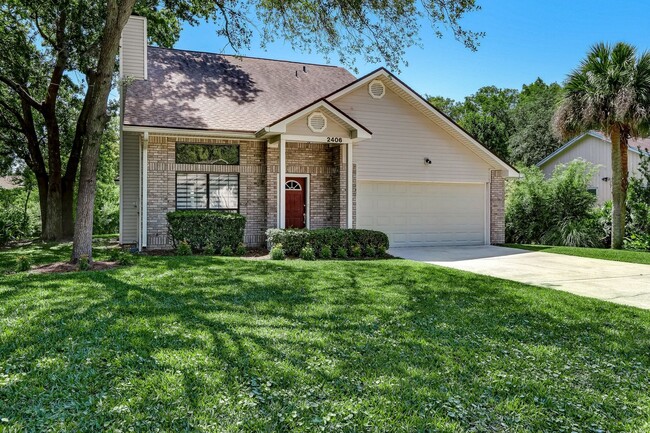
point(195, 90)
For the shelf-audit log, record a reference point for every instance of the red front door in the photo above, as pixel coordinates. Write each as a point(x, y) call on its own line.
point(296, 210)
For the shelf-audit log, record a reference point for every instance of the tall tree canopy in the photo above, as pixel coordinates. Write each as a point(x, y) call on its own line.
point(609, 92)
point(487, 115)
point(59, 45)
point(532, 138)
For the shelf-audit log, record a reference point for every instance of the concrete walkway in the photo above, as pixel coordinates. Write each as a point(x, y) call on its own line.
point(623, 283)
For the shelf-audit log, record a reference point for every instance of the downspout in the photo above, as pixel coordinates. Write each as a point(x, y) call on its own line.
point(350, 186)
point(144, 205)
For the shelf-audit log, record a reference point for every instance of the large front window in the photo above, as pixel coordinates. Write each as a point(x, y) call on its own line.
point(207, 191)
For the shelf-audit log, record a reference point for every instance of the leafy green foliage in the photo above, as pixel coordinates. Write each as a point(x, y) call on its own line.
point(370, 251)
point(609, 92)
point(294, 240)
point(555, 211)
point(17, 221)
point(208, 249)
point(307, 253)
point(241, 250)
point(355, 251)
point(341, 253)
point(638, 203)
point(199, 227)
point(486, 115)
point(532, 136)
point(183, 248)
point(23, 263)
point(207, 344)
point(106, 217)
point(226, 251)
point(277, 252)
point(638, 241)
point(189, 153)
point(83, 263)
point(325, 252)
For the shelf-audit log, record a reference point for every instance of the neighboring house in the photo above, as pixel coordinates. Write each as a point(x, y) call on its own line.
point(596, 148)
point(9, 182)
point(295, 145)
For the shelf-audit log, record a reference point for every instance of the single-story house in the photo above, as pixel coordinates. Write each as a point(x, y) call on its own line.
point(596, 148)
point(295, 145)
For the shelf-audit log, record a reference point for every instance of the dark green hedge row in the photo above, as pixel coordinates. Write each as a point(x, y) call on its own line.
point(294, 240)
point(200, 227)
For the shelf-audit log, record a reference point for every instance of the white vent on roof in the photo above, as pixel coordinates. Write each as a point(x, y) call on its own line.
point(377, 89)
point(317, 121)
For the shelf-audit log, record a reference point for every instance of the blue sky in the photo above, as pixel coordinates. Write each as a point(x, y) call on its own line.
point(524, 40)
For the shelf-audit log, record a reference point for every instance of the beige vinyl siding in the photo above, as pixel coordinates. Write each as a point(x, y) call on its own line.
point(130, 187)
point(597, 152)
point(133, 51)
point(333, 129)
point(402, 138)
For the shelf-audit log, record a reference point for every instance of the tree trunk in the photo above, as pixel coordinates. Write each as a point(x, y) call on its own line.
point(67, 207)
point(42, 182)
point(54, 222)
point(93, 120)
point(619, 183)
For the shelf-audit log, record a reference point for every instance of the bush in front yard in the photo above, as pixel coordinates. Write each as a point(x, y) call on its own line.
point(183, 249)
point(307, 253)
point(294, 240)
point(201, 227)
point(277, 252)
point(555, 211)
point(325, 252)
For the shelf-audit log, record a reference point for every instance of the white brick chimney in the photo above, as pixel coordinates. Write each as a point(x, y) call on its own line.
point(133, 49)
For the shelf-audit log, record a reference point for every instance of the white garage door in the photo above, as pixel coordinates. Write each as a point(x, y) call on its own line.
point(423, 214)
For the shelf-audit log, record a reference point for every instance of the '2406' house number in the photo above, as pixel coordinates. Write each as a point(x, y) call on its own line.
point(334, 140)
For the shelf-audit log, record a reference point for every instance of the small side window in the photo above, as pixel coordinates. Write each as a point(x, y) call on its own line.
point(593, 191)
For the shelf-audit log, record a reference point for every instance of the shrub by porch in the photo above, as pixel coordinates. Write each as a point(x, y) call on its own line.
point(200, 228)
point(294, 240)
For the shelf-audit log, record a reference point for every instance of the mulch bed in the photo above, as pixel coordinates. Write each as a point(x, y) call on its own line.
point(60, 267)
point(251, 253)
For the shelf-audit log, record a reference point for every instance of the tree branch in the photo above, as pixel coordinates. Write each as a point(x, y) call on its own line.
point(24, 95)
point(45, 36)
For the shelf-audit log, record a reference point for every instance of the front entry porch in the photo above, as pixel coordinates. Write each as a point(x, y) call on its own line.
point(314, 192)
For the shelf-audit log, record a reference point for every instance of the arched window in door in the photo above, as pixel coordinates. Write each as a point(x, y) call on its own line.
point(292, 185)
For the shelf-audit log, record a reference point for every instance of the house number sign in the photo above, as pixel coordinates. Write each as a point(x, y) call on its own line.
point(334, 140)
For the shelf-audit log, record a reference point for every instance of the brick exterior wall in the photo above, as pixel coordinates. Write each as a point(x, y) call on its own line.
point(497, 208)
point(162, 169)
point(258, 182)
point(316, 160)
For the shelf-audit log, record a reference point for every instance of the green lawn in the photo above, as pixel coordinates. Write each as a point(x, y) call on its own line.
point(642, 257)
point(202, 344)
point(48, 252)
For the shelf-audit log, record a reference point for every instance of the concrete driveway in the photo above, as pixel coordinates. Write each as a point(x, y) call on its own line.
point(623, 283)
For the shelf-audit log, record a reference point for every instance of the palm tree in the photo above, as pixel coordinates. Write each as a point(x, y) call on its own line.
point(609, 92)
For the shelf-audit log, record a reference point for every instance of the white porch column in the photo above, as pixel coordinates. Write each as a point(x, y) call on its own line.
point(349, 183)
point(143, 190)
point(281, 182)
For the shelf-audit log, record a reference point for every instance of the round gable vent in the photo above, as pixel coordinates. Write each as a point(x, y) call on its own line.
point(317, 121)
point(377, 89)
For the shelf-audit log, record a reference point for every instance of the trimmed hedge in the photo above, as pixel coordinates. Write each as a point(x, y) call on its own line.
point(202, 227)
point(293, 240)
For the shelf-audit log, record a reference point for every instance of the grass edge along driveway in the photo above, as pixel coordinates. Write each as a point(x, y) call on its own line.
point(223, 344)
point(628, 256)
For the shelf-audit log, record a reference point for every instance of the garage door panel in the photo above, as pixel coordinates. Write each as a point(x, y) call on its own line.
point(423, 214)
